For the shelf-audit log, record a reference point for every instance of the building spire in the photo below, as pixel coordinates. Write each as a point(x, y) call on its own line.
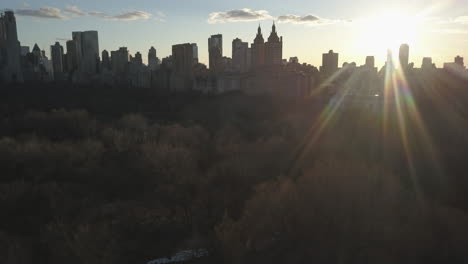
point(274, 27)
point(259, 29)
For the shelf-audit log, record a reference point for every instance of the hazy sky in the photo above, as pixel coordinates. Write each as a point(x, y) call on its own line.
point(309, 28)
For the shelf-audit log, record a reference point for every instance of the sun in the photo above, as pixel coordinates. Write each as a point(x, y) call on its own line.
point(387, 31)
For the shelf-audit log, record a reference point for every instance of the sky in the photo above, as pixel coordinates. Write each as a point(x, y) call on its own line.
point(355, 29)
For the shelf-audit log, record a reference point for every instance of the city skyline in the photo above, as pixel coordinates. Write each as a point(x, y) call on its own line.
point(161, 25)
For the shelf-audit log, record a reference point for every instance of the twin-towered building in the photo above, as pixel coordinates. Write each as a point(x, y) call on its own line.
point(261, 54)
point(268, 53)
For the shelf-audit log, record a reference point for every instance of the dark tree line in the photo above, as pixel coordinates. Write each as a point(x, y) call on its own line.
point(105, 175)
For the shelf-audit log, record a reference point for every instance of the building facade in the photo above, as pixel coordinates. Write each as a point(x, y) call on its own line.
point(56, 54)
point(10, 49)
point(240, 55)
point(274, 48)
point(215, 50)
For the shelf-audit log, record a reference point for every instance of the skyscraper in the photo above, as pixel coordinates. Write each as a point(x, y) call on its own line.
point(404, 56)
point(138, 60)
point(119, 60)
point(152, 59)
point(240, 55)
point(56, 53)
point(88, 50)
point(10, 51)
point(274, 48)
point(329, 63)
point(106, 64)
point(73, 55)
point(215, 50)
point(182, 55)
point(195, 52)
point(370, 62)
point(258, 50)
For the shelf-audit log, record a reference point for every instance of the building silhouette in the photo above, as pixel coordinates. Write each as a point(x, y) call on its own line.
point(182, 55)
point(195, 52)
point(370, 62)
point(24, 50)
point(119, 60)
point(240, 55)
point(73, 55)
point(294, 60)
point(274, 48)
point(183, 61)
point(106, 63)
point(329, 63)
point(404, 56)
point(88, 51)
point(152, 59)
point(459, 61)
point(10, 49)
point(457, 64)
point(138, 59)
point(215, 50)
point(427, 63)
point(56, 55)
point(258, 50)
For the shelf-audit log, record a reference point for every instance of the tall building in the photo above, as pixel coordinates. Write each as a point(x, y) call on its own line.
point(182, 55)
point(119, 60)
point(459, 60)
point(138, 60)
point(152, 59)
point(73, 55)
point(195, 53)
point(215, 50)
point(404, 56)
point(240, 55)
point(329, 63)
point(88, 46)
point(56, 53)
point(10, 49)
point(258, 50)
point(427, 63)
point(274, 48)
point(77, 38)
point(370, 62)
point(106, 64)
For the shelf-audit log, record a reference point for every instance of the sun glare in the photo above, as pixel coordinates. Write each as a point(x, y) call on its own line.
point(388, 31)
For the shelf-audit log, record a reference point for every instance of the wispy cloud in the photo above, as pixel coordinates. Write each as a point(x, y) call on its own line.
point(128, 16)
point(75, 10)
point(456, 25)
point(43, 12)
point(238, 15)
point(246, 15)
point(307, 19)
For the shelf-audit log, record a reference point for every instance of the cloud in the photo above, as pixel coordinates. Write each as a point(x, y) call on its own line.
point(462, 20)
point(455, 25)
point(307, 19)
point(75, 10)
point(451, 31)
point(43, 12)
point(238, 15)
point(128, 16)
